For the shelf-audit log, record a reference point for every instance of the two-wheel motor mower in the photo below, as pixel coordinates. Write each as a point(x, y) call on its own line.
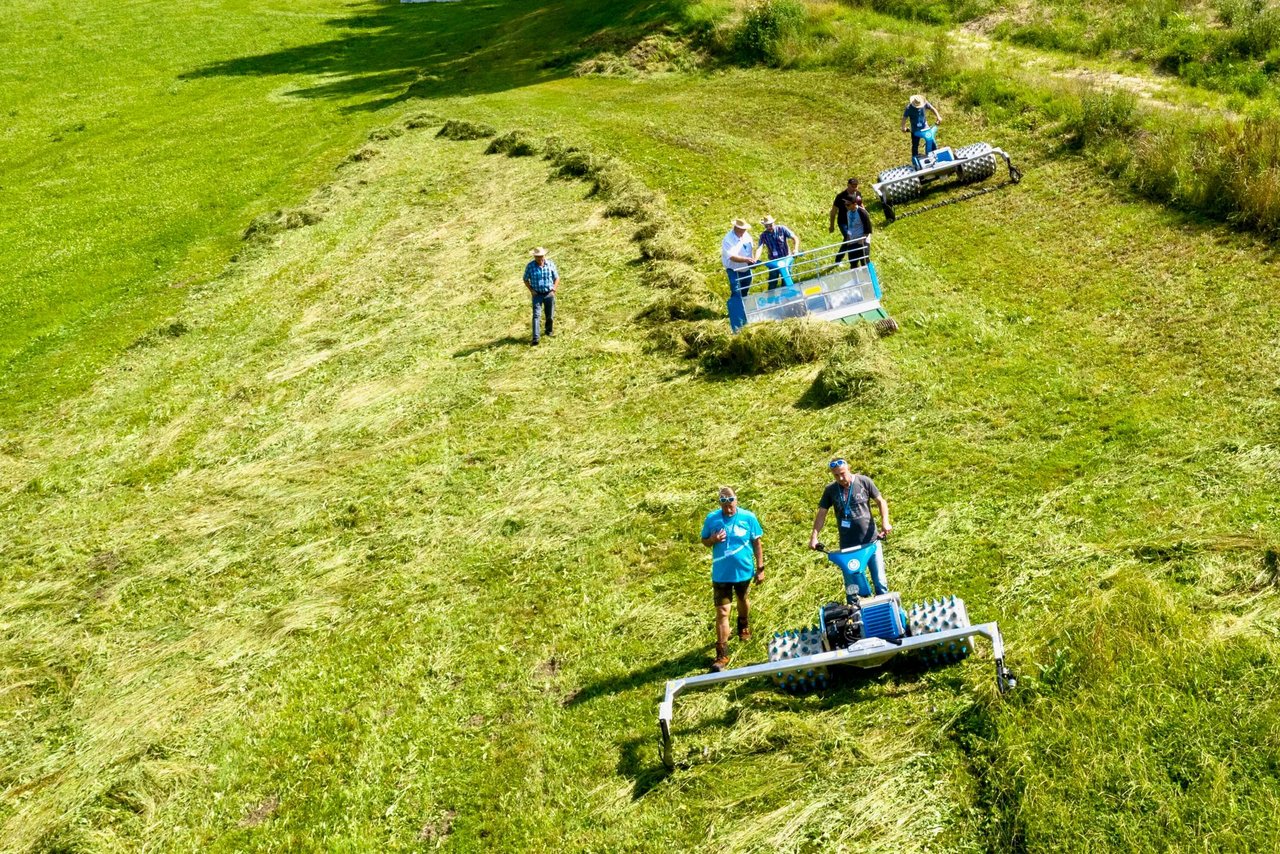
point(865, 631)
point(967, 164)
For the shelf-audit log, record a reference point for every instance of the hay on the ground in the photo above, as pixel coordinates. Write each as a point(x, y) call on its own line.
point(764, 347)
point(675, 275)
point(277, 221)
point(857, 369)
point(461, 130)
point(683, 304)
point(516, 143)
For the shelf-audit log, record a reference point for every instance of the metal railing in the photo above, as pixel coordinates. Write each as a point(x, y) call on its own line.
point(807, 265)
point(818, 282)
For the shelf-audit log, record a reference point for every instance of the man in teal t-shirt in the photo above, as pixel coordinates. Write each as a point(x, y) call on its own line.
point(733, 534)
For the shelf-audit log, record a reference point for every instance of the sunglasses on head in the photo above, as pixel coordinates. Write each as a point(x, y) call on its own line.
point(725, 499)
point(835, 464)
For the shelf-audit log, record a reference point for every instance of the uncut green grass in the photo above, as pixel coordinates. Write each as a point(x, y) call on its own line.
point(347, 566)
point(138, 140)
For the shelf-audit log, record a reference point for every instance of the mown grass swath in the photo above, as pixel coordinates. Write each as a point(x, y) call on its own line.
point(330, 558)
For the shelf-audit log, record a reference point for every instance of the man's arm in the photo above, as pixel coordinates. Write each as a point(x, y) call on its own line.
point(884, 514)
point(937, 117)
point(758, 547)
point(818, 522)
point(831, 220)
point(716, 537)
point(795, 243)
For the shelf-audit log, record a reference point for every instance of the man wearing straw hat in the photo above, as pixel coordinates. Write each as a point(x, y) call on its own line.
point(914, 121)
point(780, 242)
point(542, 278)
point(737, 252)
point(734, 536)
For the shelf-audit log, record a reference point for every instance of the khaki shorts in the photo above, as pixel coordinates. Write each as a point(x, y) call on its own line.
point(725, 590)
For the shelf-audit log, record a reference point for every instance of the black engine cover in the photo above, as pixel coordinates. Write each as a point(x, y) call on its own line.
point(841, 624)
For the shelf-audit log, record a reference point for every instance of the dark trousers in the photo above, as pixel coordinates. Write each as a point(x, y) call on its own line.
point(855, 249)
point(859, 252)
point(547, 303)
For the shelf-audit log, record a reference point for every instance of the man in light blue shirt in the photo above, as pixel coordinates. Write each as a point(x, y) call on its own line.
point(734, 535)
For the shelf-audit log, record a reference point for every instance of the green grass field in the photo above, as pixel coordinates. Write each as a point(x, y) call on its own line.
point(315, 553)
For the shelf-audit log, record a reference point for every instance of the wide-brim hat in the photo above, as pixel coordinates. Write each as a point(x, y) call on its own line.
point(768, 220)
point(917, 101)
point(540, 252)
point(741, 223)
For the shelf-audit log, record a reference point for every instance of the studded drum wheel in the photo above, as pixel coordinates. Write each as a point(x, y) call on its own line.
point(902, 190)
point(895, 173)
point(977, 163)
point(939, 615)
point(796, 644)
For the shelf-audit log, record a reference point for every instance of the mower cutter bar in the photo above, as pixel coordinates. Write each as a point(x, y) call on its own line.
point(874, 654)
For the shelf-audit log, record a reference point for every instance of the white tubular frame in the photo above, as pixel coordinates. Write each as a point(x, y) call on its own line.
point(865, 657)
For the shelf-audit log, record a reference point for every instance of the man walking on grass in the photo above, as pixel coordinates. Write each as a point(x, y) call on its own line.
point(839, 215)
point(851, 496)
point(542, 278)
point(733, 534)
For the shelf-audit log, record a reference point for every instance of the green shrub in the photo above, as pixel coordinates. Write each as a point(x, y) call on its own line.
point(766, 29)
point(764, 347)
point(461, 130)
point(1099, 116)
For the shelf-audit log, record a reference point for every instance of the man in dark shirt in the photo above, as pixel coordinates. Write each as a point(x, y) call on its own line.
point(851, 496)
point(840, 213)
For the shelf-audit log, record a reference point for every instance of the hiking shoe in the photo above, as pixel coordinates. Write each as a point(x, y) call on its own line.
point(722, 658)
point(744, 633)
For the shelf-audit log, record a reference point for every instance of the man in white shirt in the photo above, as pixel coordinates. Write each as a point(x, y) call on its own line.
point(737, 253)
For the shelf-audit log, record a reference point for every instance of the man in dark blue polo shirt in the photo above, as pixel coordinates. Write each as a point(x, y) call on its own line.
point(781, 243)
point(542, 278)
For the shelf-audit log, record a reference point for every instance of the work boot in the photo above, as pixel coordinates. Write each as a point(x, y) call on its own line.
point(722, 658)
point(744, 631)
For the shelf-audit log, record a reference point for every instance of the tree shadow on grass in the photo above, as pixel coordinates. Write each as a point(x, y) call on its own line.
point(386, 51)
point(505, 341)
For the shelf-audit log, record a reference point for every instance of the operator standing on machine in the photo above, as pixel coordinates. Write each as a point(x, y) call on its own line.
point(851, 496)
point(914, 121)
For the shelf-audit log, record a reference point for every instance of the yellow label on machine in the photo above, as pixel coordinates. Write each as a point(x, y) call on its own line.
point(816, 289)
